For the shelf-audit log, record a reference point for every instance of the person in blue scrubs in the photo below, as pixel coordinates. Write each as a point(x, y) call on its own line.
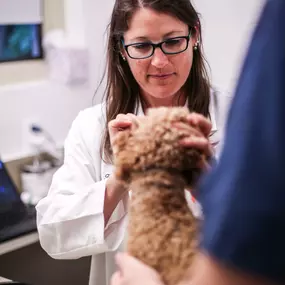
point(243, 197)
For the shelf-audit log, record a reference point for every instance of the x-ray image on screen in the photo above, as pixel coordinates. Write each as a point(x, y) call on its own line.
point(20, 42)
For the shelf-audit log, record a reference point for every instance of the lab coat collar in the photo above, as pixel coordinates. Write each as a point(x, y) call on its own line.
point(212, 112)
point(140, 111)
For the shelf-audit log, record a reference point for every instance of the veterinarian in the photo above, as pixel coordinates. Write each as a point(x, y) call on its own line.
point(153, 59)
point(243, 233)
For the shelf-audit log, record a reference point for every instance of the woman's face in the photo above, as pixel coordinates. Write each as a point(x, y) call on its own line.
point(161, 75)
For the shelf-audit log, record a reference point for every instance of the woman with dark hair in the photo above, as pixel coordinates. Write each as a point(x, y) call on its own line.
point(154, 59)
point(243, 228)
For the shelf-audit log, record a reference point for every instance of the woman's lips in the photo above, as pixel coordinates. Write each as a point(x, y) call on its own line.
point(161, 76)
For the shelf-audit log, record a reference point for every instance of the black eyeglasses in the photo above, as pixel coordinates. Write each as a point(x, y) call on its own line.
point(146, 49)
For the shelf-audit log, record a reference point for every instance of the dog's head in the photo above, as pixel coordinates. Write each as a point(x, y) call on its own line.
point(153, 143)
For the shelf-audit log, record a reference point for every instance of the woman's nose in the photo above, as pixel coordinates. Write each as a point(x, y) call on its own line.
point(159, 59)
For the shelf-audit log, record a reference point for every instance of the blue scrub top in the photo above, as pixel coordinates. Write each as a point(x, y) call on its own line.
point(243, 198)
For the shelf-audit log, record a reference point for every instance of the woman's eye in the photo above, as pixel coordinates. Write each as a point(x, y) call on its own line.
point(142, 46)
point(173, 42)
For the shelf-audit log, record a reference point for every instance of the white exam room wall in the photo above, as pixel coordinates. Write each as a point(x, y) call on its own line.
point(227, 28)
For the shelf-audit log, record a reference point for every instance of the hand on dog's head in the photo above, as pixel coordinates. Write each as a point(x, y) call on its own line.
point(153, 143)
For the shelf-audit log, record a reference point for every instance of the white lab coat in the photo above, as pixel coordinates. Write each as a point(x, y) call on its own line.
point(70, 218)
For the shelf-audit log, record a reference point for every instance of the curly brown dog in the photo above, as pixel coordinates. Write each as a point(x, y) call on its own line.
point(148, 157)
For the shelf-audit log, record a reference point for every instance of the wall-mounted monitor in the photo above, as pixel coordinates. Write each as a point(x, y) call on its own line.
point(20, 30)
point(20, 42)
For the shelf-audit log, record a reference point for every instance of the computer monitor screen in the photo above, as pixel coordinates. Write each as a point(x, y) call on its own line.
point(8, 192)
point(11, 207)
point(20, 42)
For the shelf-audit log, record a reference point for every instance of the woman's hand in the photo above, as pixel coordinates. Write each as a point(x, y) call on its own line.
point(133, 272)
point(121, 123)
point(115, 190)
point(200, 138)
point(199, 122)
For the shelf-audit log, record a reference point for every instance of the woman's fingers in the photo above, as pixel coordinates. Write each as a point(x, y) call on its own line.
point(115, 124)
point(133, 118)
point(191, 130)
point(121, 123)
point(201, 122)
point(132, 271)
point(116, 279)
point(200, 143)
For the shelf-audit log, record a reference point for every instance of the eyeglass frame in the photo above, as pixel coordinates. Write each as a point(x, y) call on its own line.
point(155, 46)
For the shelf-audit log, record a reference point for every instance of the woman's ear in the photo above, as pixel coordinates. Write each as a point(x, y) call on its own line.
point(123, 55)
point(121, 50)
point(195, 38)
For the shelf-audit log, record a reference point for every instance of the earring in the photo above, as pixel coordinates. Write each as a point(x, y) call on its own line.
point(196, 45)
point(123, 57)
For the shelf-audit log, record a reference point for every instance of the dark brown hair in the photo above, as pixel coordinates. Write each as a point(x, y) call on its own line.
point(122, 90)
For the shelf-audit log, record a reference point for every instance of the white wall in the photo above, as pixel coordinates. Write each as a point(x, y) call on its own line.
point(20, 12)
point(227, 25)
point(98, 14)
point(227, 28)
point(54, 107)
